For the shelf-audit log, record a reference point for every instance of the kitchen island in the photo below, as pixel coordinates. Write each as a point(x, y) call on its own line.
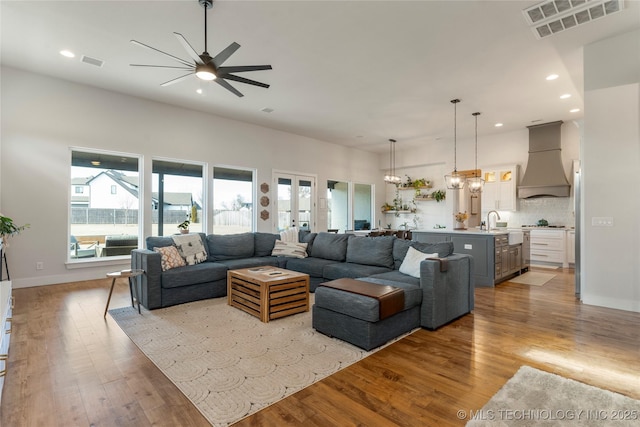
point(495, 257)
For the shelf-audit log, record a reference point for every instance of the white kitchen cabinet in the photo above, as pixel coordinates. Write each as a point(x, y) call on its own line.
point(548, 246)
point(6, 303)
point(571, 247)
point(499, 191)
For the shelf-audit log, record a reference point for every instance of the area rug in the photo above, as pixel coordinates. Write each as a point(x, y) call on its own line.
point(534, 278)
point(537, 398)
point(227, 362)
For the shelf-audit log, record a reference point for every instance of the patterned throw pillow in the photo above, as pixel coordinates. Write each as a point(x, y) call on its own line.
point(170, 257)
point(290, 249)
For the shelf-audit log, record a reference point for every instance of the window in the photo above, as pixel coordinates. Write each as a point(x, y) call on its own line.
point(233, 191)
point(79, 190)
point(178, 188)
point(104, 223)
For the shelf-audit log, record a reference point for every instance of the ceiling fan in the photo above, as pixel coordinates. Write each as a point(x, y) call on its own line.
point(204, 66)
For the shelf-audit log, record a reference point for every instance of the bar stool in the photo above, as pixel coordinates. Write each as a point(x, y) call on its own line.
point(130, 274)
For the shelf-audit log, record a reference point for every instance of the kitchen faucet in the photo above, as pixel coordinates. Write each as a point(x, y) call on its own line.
point(489, 222)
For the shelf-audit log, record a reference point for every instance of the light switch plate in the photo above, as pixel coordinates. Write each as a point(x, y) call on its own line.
point(602, 221)
point(468, 246)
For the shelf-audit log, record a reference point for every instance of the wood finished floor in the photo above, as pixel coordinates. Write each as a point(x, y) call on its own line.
point(70, 367)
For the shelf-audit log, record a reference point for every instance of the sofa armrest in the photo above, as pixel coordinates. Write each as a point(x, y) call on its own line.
point(446, 295)
point(149, 283)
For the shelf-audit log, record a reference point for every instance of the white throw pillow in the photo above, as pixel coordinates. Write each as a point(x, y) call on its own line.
point(290, 249)
point(411, 263)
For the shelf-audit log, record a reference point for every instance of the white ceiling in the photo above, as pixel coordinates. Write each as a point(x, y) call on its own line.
point(353, 73)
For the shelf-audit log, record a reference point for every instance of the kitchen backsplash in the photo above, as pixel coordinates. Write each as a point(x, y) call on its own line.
point(556, 210)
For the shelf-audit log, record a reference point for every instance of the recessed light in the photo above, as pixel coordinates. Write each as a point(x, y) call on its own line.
point(498, 125)
point(575, 110)
point(552, 77)
point(67, 54)
point(565, 96)
point(267, 110)
point(199, 91)
point(95, 163)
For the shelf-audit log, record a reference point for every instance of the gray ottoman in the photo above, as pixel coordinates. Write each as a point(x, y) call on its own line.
point(362, 315)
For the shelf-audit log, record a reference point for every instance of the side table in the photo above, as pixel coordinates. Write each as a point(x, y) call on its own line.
point(130, 274)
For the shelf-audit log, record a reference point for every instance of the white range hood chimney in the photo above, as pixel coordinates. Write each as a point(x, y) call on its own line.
point(544, 176)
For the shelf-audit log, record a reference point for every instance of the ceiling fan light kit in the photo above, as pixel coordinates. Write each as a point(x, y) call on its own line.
point(204, 66)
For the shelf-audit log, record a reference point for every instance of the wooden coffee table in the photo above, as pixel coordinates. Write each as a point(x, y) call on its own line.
point(268, 292)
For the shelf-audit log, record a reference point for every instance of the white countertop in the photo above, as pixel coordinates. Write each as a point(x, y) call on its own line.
point(493, 232)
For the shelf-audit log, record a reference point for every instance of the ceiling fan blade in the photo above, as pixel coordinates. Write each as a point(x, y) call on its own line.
point(175, 58)
point(192, 53)
point(162, 66)
point(227, 86)
point(177, 80)
point(219, 59)
point(240, 69)
point(244, 80)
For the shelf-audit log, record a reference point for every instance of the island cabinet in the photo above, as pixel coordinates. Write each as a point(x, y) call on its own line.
point(494, 260)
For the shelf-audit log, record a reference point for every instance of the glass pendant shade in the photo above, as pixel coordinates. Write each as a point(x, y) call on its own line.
point(476, 183)
point(391, 177)
point(455, 181)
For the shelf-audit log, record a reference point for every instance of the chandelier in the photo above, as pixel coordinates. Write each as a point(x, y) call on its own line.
point(476, 183)
point(391, 177)
point(454, 181)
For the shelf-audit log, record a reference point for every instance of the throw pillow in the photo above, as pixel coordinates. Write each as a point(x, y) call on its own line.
point(170, 257)
point(191, 248)
point(290, 249)
point(411, 263)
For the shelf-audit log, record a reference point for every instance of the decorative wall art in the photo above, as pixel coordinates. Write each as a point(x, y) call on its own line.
point(264, 187)
point(264, 201)
point(264, 214)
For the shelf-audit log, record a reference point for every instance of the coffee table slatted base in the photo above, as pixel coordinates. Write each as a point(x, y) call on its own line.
point(268, 301)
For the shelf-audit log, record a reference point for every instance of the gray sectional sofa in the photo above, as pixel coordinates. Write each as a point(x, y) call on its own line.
point(433, 299)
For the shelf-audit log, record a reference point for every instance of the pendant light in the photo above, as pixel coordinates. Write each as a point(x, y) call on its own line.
point(391, 177)
point(455, 181)
point(476, 183)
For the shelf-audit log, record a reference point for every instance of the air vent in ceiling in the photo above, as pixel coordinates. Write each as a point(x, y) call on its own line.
point(92, 61)
point(553, 16)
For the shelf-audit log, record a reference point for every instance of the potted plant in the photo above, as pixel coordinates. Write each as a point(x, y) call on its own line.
point(8, 228)
point(439, 195)
point(184, 226)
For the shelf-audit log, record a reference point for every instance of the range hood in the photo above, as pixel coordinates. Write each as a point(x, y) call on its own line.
point(544, 176)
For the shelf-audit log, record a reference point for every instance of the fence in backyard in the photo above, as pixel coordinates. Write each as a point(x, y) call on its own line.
point(242, 218)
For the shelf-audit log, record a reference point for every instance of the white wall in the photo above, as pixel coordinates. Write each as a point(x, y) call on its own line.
point(611, 160)
point(42, 117)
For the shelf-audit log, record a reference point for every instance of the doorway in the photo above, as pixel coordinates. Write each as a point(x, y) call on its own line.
point(295, 201)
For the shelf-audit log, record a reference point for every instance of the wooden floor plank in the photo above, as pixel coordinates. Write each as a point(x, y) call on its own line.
point(66, 359)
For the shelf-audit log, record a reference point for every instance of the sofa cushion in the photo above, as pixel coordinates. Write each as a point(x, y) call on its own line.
point(230, 246)
point(170, 257)
point(401, 246)
point(290, 249)
point(350, 270)
point(411, 264)
point(311, 266)
point(263, 243)
point(377, 251)
point(158, 242)
point(412, 291)
point(330, 246)
point(305, 236)
point(193, 275)
point(235, 264)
